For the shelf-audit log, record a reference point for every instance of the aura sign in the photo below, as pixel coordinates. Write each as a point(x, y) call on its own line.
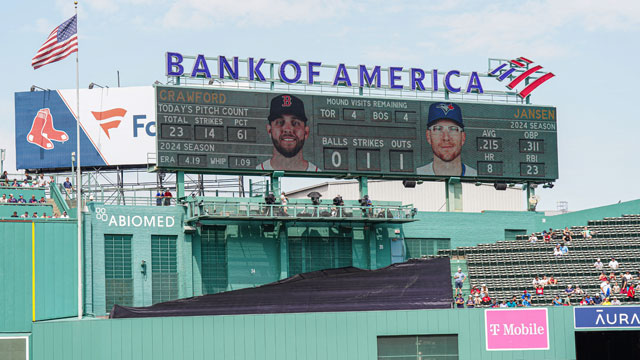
point(518, 329)
point(292, 72)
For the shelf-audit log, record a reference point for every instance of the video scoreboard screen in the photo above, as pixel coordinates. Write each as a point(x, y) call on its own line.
point(245, 132)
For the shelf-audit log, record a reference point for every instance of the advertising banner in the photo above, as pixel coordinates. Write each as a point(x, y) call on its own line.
point(607, 317)
point(117, 127)
point(517, 329)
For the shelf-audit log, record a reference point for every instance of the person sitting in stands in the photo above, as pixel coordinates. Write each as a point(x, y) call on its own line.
point(598, 265)
point(564, 249)
point(15, 214)
point(44, 216)
point(569, 290)
point(35, 214)
point(14, 183)
point(526, 296)
point(4, 176)
point(615, 301)
point(26, 184)
point(494, 303)
point(64, 215)
point(584, 301)
point(586, 233)
point(552, 280)
point(612, 276)
point(475, 290)
point(533, 238)
point(631, 292)
point(556, 301)
point(536, 282)
point(546, 236)
point(567, 235)
point(526, 302)
point(557, 251)
point(42, 200)
point(33, 200)
point(477, 301)
point(503, 304)
point(597, 299)
point(3, 199)
point(512, 303)
point(544, 281)
point(578, 291)
point(459, 301)
point(589, 300)
point(552, 234)
point(613, 264)
point(484, 290)
point(539, 290)
point(602, 276)
point(25, 215)
point(606, 301)
point(56, 215)
point(21, 200)
point(486, 300)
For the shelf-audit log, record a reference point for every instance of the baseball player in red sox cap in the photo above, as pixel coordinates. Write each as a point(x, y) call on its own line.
point(288, 129)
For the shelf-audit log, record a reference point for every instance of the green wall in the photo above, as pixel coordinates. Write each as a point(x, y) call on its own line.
point(470, 229)
point(331, 336)
point(580, 218)
point(55, 272)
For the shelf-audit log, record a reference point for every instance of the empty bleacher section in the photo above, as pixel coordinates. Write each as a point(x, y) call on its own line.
point(509, 267)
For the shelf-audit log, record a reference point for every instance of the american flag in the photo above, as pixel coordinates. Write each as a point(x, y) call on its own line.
point(62, 42)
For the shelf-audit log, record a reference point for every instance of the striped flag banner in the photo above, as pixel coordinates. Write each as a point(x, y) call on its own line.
point(62, 42)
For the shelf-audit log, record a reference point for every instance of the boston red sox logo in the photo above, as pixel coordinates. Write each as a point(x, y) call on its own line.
point(286, 101)
point(42, 132)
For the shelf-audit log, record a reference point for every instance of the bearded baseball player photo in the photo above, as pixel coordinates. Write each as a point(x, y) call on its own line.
point(289, 130)
point(445, 134)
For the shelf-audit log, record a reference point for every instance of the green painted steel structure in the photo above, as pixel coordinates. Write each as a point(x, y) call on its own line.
point(331, 336)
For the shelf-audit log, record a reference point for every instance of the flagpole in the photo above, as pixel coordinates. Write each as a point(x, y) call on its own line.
point(78, 174)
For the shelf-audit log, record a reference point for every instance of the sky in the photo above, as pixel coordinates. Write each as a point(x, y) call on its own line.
point(587, 44)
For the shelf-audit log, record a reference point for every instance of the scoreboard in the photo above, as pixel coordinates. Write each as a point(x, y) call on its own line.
point(250, 132)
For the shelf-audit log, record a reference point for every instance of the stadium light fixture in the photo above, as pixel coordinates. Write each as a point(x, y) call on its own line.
point(34, 87)
point(548, 186)
point(500, 186)
point(92, 85)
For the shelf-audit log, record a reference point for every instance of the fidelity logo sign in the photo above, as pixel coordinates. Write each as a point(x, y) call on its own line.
point(135, 220)
point(517, 329)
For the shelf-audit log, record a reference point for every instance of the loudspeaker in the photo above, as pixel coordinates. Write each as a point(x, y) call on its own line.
point(409, 183)
point(500, 186)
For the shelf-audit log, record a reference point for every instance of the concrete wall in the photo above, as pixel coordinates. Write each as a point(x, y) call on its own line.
point(331, 336)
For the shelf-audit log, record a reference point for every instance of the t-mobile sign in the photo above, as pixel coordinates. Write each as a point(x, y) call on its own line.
point(517, 329)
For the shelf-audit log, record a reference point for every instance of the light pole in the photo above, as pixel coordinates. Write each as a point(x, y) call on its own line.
point(2, 156)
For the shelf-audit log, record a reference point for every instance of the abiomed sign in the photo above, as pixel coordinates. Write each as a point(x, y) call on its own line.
point(607, 317)
point(518, 329)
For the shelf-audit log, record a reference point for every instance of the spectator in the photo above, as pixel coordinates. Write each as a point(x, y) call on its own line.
point(35, 214)
point(4, 199)
point(27, 176)
point(606, 301)
point(167, 197)
point(42, 182)
point(15, 214)
point(51, 180)
point(64, 215)
point(477, 301)
point(578, 291)
point(42, 200)
point(14, 183)
point(533, 238)
point(21, 200)
point(567, 301)
point(536, 282)
point(584, 301)
point(459, 301)
point(159, 197)
point(486, 300)
point(56, 215)
point(484, 290)
point(44, 216)
point(552, 234)
point(475, 290)
point(605, 288)
point(503, 304)
point(586, 233)
point(564, 249)
point(615, 301)
point(283, 203)
point(612, 277)
point(494, 303)
point(602, 276)
point(597, 300)
point(556, 301)
point(526, 296)
point(544, 281)
point(631, 292)
point(12, 200)
point(615, 288)
point(512, 303)
point(557, 251)
point(25, 184)
point(613, 264)
point(25, 215)
point(567, 235)
point(546, 236)
point(4, 176)
point(598, 265)
point(68, 187)
point(539, 290)
point(526, 302)
point(459, 278)
point(552, 280)
point(33, 200)
point(569, 290)
point(589, 300)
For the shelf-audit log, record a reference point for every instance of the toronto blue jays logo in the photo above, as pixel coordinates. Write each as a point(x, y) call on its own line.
point(523, 65)
point(445, 108)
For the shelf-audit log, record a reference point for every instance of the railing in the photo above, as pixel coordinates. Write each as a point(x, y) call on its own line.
point(262, 210)
point(58, 198)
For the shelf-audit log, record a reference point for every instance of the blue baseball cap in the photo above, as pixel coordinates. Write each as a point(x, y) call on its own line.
point(445, 111)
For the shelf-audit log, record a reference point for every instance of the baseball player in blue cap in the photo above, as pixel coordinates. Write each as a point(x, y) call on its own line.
point(445, 134)
point(289, 130)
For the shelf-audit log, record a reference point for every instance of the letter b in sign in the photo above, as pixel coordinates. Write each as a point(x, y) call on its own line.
point(286, 101)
